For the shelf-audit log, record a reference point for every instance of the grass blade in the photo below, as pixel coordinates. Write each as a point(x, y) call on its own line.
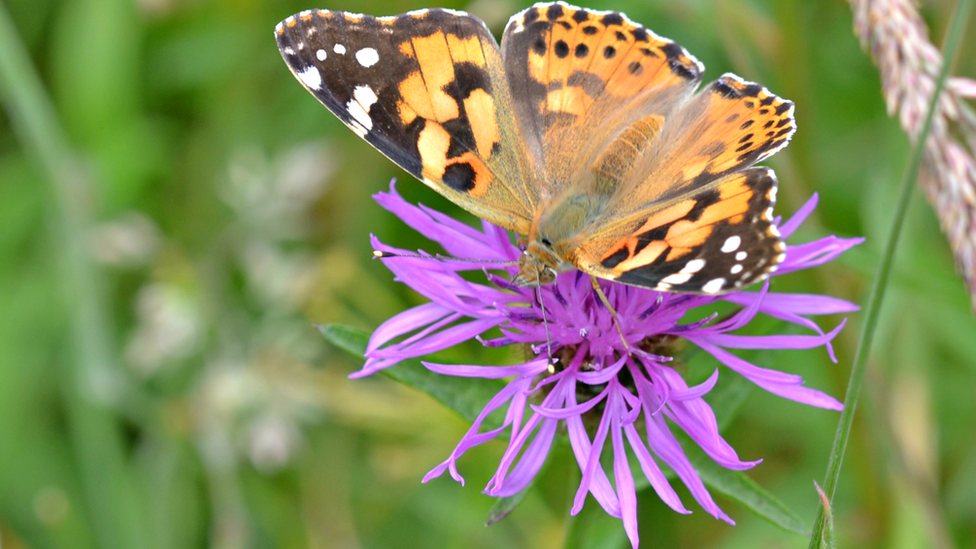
point(873, 309)
point(114, 501)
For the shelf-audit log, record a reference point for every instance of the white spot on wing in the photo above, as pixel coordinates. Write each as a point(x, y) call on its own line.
point(311, 78)
point(367, 57)
point(359, 114)
point(713, 286)
point(289, 51)
point(731, 244)
point(736, 269)
point(365, 96)
point(740, 256)
point(321, 55)
point(676, 278)
point(693, 266)
point(358, 130)
point(339, 48)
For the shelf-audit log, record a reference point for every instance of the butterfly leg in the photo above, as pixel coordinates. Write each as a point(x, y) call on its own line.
point(613, 313)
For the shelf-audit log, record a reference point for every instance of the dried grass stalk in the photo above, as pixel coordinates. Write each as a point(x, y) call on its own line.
point(897, 39)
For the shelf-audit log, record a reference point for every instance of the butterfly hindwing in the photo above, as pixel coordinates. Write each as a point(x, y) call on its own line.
point(717, 239)
point(727, 127)
point(422, 88)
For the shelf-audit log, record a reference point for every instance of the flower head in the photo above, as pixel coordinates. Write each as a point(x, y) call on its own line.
point(604, 391)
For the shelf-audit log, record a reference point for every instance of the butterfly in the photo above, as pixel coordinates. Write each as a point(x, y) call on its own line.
point(583, 131)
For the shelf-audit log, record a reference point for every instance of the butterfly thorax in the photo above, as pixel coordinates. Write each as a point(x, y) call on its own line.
point(555, 234)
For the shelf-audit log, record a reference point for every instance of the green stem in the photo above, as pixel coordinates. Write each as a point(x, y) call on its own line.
point(872, 313)
point(114, 501)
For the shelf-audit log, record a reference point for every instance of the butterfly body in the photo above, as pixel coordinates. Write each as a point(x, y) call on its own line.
point(583, 131)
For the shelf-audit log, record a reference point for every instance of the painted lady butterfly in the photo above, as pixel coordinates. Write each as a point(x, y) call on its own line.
point(583, 131)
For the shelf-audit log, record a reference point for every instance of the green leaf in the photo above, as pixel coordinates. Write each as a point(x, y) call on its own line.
point(742, 489)
point(466, 396)
point(733, 484)
point(824, 538)
point(727, 397)
point(593, 529)
point(504, 506)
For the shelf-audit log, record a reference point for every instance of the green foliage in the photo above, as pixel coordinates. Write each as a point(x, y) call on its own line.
point(177, 214)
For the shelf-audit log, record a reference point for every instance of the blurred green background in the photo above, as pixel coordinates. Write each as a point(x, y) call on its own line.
point(161, 381)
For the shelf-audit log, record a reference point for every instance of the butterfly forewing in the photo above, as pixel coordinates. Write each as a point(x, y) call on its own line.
point(581, 76)
point(422, 88)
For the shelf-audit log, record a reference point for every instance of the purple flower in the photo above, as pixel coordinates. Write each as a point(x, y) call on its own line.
point(592, 360)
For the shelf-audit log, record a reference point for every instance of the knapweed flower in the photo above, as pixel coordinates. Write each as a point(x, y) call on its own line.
point(603, 391)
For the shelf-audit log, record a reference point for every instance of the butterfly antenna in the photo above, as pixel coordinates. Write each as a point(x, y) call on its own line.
point(545, 323)
point(377, 254)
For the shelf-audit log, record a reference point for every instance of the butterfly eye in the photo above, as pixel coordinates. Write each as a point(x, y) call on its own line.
point(546, 242)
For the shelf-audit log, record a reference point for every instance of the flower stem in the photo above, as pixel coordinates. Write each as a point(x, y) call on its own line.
point(114, 501)
point(872, 313)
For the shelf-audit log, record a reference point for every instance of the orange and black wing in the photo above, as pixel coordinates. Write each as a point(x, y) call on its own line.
point(716, 239)
point(427, 89)
point(691, 214)
point(727, 127)
point(581, 77)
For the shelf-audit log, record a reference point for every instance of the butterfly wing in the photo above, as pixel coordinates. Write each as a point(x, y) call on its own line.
point(426, 89)
point(730, 125)
point(580, 77)
point(692, 216)
point(718, 238)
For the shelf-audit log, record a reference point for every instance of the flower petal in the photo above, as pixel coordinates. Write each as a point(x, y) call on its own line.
point(591, 466)
point(600, 484)
point(801, 304)
point(786, 229)
point(773, 341)
point(473, 438)
point(778, 383)
point(621, 467)
point(530, 369)
point(652, 472)
point(664, 445)
point(697, 391)
point(405, 322)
